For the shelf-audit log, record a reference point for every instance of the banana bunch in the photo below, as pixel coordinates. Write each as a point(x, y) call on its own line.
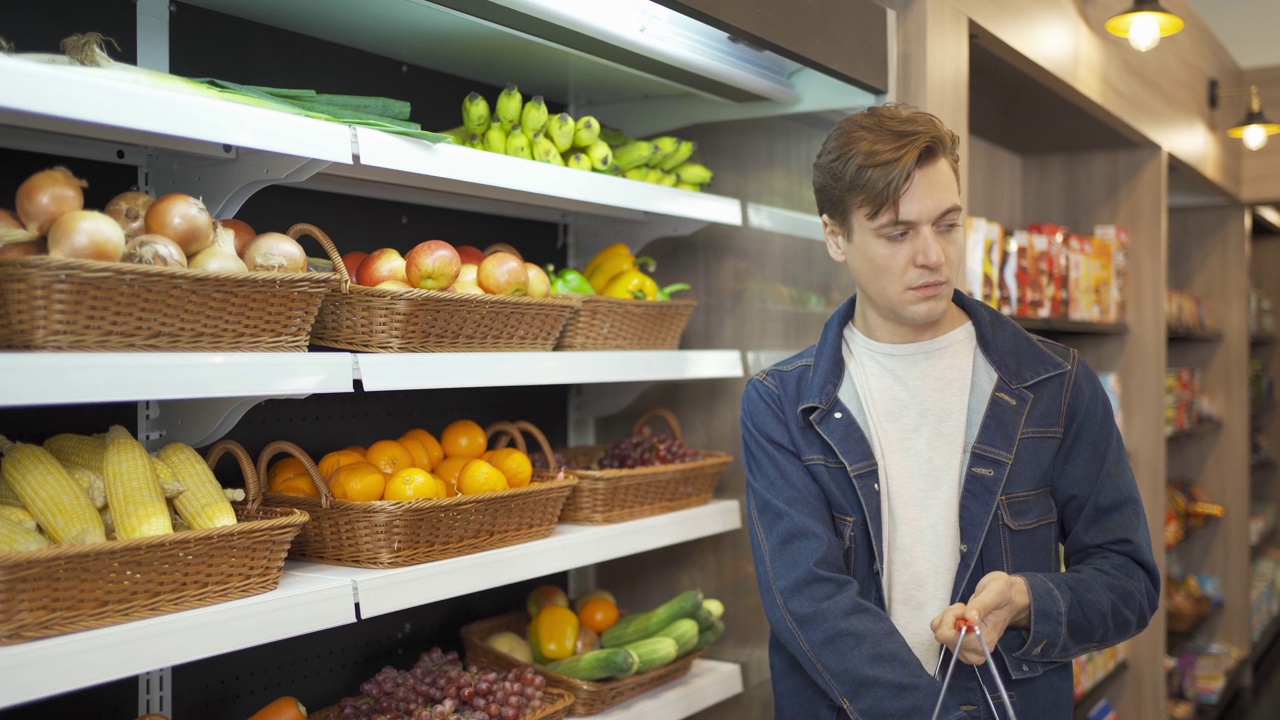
point(662, 160)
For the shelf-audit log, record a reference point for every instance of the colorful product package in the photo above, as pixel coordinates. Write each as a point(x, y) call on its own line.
point(1020, 248)
point(1079, 296)
point(975, 244)
point(1057, 268)
point(1121, 240)
point(993, 256)
point(1009, 276)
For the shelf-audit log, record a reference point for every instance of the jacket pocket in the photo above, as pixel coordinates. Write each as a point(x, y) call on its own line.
point(846, 531)
point(1029, 532)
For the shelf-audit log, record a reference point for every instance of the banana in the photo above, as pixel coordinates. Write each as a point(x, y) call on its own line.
point(688, 186)
point(533, 118)
point(615, 137)
point(682, 153)
point(634, 154)
point(667, 179)
point(652, 175)
point(518, 144)
point(613, 169)
point(475, 113)
point(636, 173)
point(667, 144)
point(475, 141)
point(544, 150)
point(601, 155)
point(459, 134)
point(560, 130)
point(692, 172)
point(577, 160)
point(586, 131)
point(495, 139)
point(509, 105)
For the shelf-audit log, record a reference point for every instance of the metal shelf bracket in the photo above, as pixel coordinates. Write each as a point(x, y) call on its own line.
point(226, 184)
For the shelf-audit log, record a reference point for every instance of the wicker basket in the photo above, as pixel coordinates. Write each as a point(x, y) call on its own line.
point(590, 697)
point(614, 495)
point(80, 587)
point(605, 323)
point(557, 705)
point(365, 319)
point(49, 303)
point(385, 534)
point(1185, 620)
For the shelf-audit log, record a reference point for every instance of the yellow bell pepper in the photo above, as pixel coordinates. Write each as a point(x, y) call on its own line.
point(631, 284)
point(613, 266)
point(611, 250)
point(553, 634)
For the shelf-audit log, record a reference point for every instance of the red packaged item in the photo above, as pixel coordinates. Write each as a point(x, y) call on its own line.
point(1057, 270)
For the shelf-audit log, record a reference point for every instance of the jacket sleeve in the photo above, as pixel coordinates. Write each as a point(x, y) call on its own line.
point(1111, 586)
point(848, 646)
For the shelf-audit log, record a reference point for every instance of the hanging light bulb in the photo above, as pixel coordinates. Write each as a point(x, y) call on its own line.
point(1144, 32)
point(1255, 128)
point(1254, 136)
point(1144, 24)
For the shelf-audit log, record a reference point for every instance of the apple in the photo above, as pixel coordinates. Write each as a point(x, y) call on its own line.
point(545, 596)
point(432, 265)
point(539, 285)
point(382, 264)
point(470, 254)
point(466, 287)
point(352, 261)
point(394, 285)
point(502, 274)
point(468, 271)
point(502, 247)
point(592, 594)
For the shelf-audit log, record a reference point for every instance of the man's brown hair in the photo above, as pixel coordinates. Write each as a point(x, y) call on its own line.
point(867, 160)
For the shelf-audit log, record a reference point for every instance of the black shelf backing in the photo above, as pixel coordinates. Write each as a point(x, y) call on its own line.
point(1200, 335)
point(1073, 327)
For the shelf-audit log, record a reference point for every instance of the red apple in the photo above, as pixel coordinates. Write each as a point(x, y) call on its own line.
point(502, 274)
point(394, 285)
point(432, 265)
point(539, 284)
point(466, 287)
point(470, 254)
point(382, 264)
point(352, 261)
point(503, 247)
point(468, 271)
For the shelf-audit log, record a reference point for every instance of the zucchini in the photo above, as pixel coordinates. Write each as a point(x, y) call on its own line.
point(706, 637)
point(597, 664)
point(653, 652)
point(685, 632)
point(710, 611)
point(648, 623)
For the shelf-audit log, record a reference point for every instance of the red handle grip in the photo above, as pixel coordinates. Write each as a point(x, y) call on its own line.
point(961, 623)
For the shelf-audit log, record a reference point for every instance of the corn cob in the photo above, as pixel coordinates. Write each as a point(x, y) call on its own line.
point(91, 483)
point(45, 488)
point(170, 484)
point(87, 452)
point(137, 504)
point(19, 515)
point(203, 505)
point(108, 522)
point(7, 495)
point(14, 537)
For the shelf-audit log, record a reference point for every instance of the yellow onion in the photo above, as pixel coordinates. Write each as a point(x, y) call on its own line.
point(216, 259)
point(47, 196)
point(130, 210)
point(86, 235)
point(152, 249)
point(183, 219)
point(275, 252)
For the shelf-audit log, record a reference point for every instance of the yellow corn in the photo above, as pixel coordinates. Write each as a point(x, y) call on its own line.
point(7, 494)
point(88, 451)
point(19, 515)
point(45, 488)
point(90, 482)
point(133, 493)
point(170, 484)
point(14, 537)
point(203, 504)
point(108, 523)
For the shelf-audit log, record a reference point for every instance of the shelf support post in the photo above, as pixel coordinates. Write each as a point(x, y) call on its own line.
point(155, 692)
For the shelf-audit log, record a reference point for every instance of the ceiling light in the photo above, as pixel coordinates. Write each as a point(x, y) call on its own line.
point(1144, 24)
point(1255, 128)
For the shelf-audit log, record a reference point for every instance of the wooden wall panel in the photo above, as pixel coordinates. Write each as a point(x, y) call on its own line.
point(1261, 181)
point(995, 184)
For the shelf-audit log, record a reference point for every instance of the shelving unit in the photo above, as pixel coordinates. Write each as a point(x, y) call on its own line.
point(1264, 487)
point(1070, 327)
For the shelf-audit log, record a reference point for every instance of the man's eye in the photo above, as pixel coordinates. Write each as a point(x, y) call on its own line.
point(897, 237)
point(949, 227)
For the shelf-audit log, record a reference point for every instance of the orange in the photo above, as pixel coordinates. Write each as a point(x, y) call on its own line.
point(448, 471)
point(513, 464)
point(358, 482)
point(297, 485)
point(336, 459)
point(285, 467)
point(413, 483)
point(389, 456)
point(599, 614)
point(420, 457)
point(464, 438)
point(429, 442)
point(478, 476)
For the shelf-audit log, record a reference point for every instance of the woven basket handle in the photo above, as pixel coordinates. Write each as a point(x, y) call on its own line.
point(513, 430)
point(284, 446)
point(252, 483)
point(326, 242)
point(503, 432)
point(665, 414)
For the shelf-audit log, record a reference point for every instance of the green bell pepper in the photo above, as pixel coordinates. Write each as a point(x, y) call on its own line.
point(569, 281)
point(665, 293)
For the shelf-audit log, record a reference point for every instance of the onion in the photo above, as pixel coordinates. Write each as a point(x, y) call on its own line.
point(183, 219)
point(12, 233)
point(47, 196)
point(86, 235)
point(154, 250)
point(275, 252)
point(9, 220)
point(244, 233)
point(130, 210)
point(216, 259)
point(22, 249)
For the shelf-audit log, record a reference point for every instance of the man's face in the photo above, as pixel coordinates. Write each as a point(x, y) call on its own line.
point(905, 265)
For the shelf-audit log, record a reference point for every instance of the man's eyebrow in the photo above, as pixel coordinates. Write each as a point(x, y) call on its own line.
point(898, 222)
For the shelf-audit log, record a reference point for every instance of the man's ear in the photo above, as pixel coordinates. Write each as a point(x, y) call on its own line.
point(836, 240)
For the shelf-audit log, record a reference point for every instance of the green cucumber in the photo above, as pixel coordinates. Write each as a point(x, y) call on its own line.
point(653, 652)
point(684, 631)
point(710, 611)
point(597, 664)
point(706, 637)
point(648, 623)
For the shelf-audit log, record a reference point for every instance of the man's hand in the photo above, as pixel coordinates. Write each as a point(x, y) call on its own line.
point(1000, 601)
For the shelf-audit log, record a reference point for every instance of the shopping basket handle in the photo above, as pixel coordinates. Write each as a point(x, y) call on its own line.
point(962, 624)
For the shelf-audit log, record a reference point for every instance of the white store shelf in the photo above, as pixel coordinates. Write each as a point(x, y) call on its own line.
point(381, 591)
point(708, 682)
point(49, 378)
point(61, 664)
point(424, 371)
point(807, 226)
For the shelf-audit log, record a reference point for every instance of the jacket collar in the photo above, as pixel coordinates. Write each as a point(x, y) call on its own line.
point(1017, 357)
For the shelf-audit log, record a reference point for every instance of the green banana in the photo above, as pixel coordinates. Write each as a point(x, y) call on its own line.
point(475, 113)
point(560, 130)
point(475, 141)
point(678, 156)
point(518, 144)
point(667, 144)
point(601, 155)
point(692, 172)
point(634, 154)
point(510, 104)
point(688, 186)
point(544, 150)
point(613, 169)
point(459, 134)
point(667, 179)
point(577, 160)
point(652, 175)
point(586, 131)
point(615, 137)
point(534, 115)
point(636, 173)
point(495, 139)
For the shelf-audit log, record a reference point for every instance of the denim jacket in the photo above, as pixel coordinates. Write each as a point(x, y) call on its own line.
point(1046, 467)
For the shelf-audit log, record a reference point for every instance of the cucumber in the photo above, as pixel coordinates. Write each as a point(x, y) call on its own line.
point(710, 611)
point(648, 623)
point(597, 664)
point(653, 652)
point(706, 637)
point(685, 632)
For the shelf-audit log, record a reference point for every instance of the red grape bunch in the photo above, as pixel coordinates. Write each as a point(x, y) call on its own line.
point(645, 448)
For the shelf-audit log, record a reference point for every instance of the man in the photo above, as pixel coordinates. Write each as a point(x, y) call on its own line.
point(922, 463)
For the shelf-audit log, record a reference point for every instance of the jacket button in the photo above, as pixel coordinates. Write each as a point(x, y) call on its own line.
point(876, 568)
point(964, 548)
point(1024, 667)
point(877, 487)
point(839, 415)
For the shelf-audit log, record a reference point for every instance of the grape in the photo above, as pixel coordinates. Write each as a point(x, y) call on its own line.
point(539, 682)
point(467, 694)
